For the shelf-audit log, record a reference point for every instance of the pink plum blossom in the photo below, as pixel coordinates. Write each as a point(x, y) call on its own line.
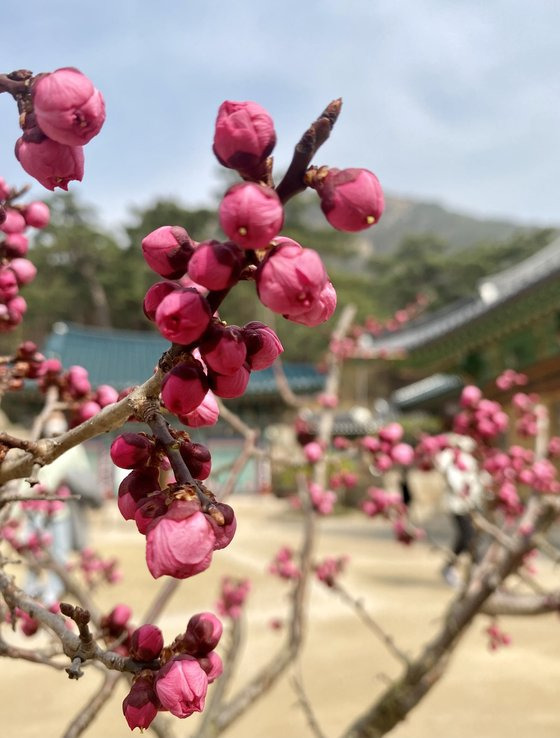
point(351, 199)
point(244, 136)
point(181, 686)
point(167, 251)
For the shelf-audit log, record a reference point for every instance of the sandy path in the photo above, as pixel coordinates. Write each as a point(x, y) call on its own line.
point(513, 692)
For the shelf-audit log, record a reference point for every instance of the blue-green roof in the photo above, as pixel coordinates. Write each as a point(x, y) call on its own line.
point(123, 358)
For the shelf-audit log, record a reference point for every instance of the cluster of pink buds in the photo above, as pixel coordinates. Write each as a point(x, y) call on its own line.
point(233, 595)
point(509, 379)
point(283, 565)
point(34, 542)
point(172, 678)
point(328, 570)
point(344, 478)
point(322, 500)
point(116, 629)
point(496, 637)
point(60, 112)
point(75, 390)
point(96, 570)
point(529, 411)
point(382, 502)
point(181, 536)
point(480, 418)
point(15, 270)
point(387, 448)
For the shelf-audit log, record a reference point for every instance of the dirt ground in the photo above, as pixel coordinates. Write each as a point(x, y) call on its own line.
point(511, 692)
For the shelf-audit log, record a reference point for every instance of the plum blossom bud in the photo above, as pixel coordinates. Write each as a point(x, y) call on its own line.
point(87, 410)
point(37, 214)
point(132, 450)
point(290, 279)
point(197, 458)
point(116, 620)
point(203, 634)
point(180, 543)
point(351, 199)
point(16, 245)
point(14, 222)
point(8, 284)
point(68, 108)
point(230, 385)
point(224, 533)
point(244, 136)
point(154, 296)
point(141, 704)
point(224, 351)
point(392, 433)
point(313, 451)
point(167, 251)
point(106, 395)
point(134, 489)
point(24, 270)
point(181, 686)
point(52, 164)
point(263, 345)
point(251, 215)
point(184, 388)
point(4, 189)
point(470, 396)
point(183, 316)
point(402, 453)
point(216, 265)
point(77, 380)
point(212, 665)
point(207, 413)
point(146, 643)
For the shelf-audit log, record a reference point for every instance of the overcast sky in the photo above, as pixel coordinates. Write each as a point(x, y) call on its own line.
point(456, 101)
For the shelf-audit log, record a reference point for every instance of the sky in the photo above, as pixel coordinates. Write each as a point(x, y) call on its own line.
point(452, 101)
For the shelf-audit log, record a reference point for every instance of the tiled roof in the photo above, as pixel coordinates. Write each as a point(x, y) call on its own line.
point(123, 358)
point(434, 387)
point(493, 292)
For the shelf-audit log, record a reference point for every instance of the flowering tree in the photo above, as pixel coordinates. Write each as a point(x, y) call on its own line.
point(164, 493)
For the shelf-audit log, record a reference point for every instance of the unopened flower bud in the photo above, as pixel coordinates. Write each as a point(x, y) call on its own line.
point(251, 215)
point(203, 634)
point(154, 296)
point(16, 245)
point(216, 265)
point(24, 270)
point(244, 135)
point(131, 450)
point(146, 643)
point(52, 164)
point(351, 199)
point(67, 107)
point(197, 458)
point(207, 413)
point(229, 386)
point(183, 316)
point(37, 214)
point(141, 704)
point(263, 345)
point(224, 350)
point(14, 222)
point(184, 388)
point(135, 488)
point(290, 278)
point(212, 665)
point(167, 251)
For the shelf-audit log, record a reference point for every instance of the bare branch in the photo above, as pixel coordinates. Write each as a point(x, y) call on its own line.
point(305, 704)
